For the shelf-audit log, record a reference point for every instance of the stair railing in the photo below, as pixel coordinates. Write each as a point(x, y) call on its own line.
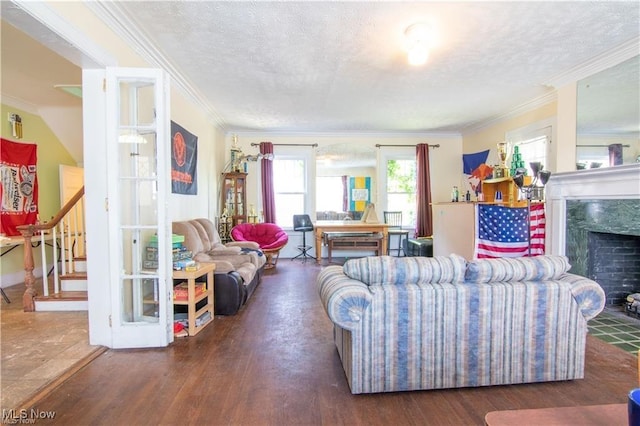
point(65, 233)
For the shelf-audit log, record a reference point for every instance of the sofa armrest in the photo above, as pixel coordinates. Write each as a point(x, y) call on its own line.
point(222, 266)
point(587, 293)
point(243, 244)
point(344, 299)
point(224, 251)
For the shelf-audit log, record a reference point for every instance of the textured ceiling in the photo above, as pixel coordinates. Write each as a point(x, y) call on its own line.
point(340, 66)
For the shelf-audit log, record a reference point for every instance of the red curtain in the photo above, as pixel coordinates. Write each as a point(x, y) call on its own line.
point(268, 194)
point(424, 223)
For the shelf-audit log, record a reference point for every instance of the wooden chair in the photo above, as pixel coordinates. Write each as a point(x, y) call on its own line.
point(394, 220)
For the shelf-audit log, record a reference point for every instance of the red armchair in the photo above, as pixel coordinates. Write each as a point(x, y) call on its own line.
point(269, 236)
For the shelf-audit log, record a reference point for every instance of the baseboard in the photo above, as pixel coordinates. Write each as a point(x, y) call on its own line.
point(14, 278)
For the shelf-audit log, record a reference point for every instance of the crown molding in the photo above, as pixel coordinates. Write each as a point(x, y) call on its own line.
point(122, 24)
point(531, 105)
point(350, 134)
point(612, 57)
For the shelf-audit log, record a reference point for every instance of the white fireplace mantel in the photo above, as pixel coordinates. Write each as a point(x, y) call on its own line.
point(620, 182)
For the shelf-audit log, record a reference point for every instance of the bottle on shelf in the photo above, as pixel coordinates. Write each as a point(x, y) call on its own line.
point(467, 196)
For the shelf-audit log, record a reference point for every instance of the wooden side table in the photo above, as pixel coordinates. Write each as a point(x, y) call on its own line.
point(193, 314)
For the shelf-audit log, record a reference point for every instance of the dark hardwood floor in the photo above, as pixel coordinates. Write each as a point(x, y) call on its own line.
point(275, 364)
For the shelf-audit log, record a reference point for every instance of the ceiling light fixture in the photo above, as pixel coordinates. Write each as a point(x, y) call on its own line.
point(418, 38)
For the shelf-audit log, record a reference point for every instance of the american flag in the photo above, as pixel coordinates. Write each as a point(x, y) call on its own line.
point(502, 231)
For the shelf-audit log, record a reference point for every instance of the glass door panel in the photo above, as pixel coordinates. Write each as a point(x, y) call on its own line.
point(139, 185)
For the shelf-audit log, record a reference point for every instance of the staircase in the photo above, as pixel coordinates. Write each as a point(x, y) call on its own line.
point(64, 264)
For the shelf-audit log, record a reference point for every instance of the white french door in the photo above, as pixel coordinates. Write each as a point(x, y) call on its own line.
point(138, 135)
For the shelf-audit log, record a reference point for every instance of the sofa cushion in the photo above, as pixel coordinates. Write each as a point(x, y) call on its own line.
point(381, 270)
point(536, 268)
point(212, 235)
point(192, 240)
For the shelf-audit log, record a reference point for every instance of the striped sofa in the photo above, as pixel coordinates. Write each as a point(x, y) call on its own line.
point(433, 323)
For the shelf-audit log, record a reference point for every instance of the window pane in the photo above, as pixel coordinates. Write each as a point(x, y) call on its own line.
point(533, 150)
point(401, 189)
point(289, 179)
point(401, 176)
point(406, 203)
point(286, 206)
point(289, 175)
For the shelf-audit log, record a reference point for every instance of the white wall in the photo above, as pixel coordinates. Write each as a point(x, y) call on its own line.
point(446, 161)
point(183, 207)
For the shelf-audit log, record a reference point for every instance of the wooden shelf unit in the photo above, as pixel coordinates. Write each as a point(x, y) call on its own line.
point(205, 269)
point(508, 188)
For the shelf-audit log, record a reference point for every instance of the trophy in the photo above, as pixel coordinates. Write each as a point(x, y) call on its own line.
point(501, 171)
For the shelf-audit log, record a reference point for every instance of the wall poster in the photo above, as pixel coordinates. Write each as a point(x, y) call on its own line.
point(19, 189)
point(184, 161)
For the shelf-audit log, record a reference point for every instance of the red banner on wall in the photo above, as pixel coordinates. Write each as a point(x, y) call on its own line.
point(19, 186)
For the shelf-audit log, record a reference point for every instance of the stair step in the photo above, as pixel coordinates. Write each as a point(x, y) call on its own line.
point(75, 281)
point(78, 275)
point(80, 263)
point(63, 301)
point(64, 295)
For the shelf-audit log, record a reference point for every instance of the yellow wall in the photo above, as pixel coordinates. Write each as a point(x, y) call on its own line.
point(51, 153)
point(489, 136)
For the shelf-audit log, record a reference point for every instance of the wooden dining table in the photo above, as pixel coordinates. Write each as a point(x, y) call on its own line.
point(322, 226)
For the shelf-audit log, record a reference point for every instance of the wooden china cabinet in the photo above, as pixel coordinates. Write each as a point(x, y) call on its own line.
point(234, 197)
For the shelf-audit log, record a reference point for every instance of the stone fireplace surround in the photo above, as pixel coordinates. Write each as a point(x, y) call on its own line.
point(585, 202)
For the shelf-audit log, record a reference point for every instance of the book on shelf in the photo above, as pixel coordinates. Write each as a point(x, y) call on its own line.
point(181, 291)
point(176, 254)
point(192, 268)
point(206, 316)
point(180, 265)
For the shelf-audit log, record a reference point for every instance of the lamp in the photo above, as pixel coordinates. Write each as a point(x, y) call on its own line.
point(539, 175)
point(418, 39)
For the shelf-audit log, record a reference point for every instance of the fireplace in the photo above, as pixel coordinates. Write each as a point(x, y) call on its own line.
point(614, 263)
point(593, 219)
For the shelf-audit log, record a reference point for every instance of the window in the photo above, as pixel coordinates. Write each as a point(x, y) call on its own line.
point(533, 143)
point(290, 188)
point(533, 150)
point(401, 189)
